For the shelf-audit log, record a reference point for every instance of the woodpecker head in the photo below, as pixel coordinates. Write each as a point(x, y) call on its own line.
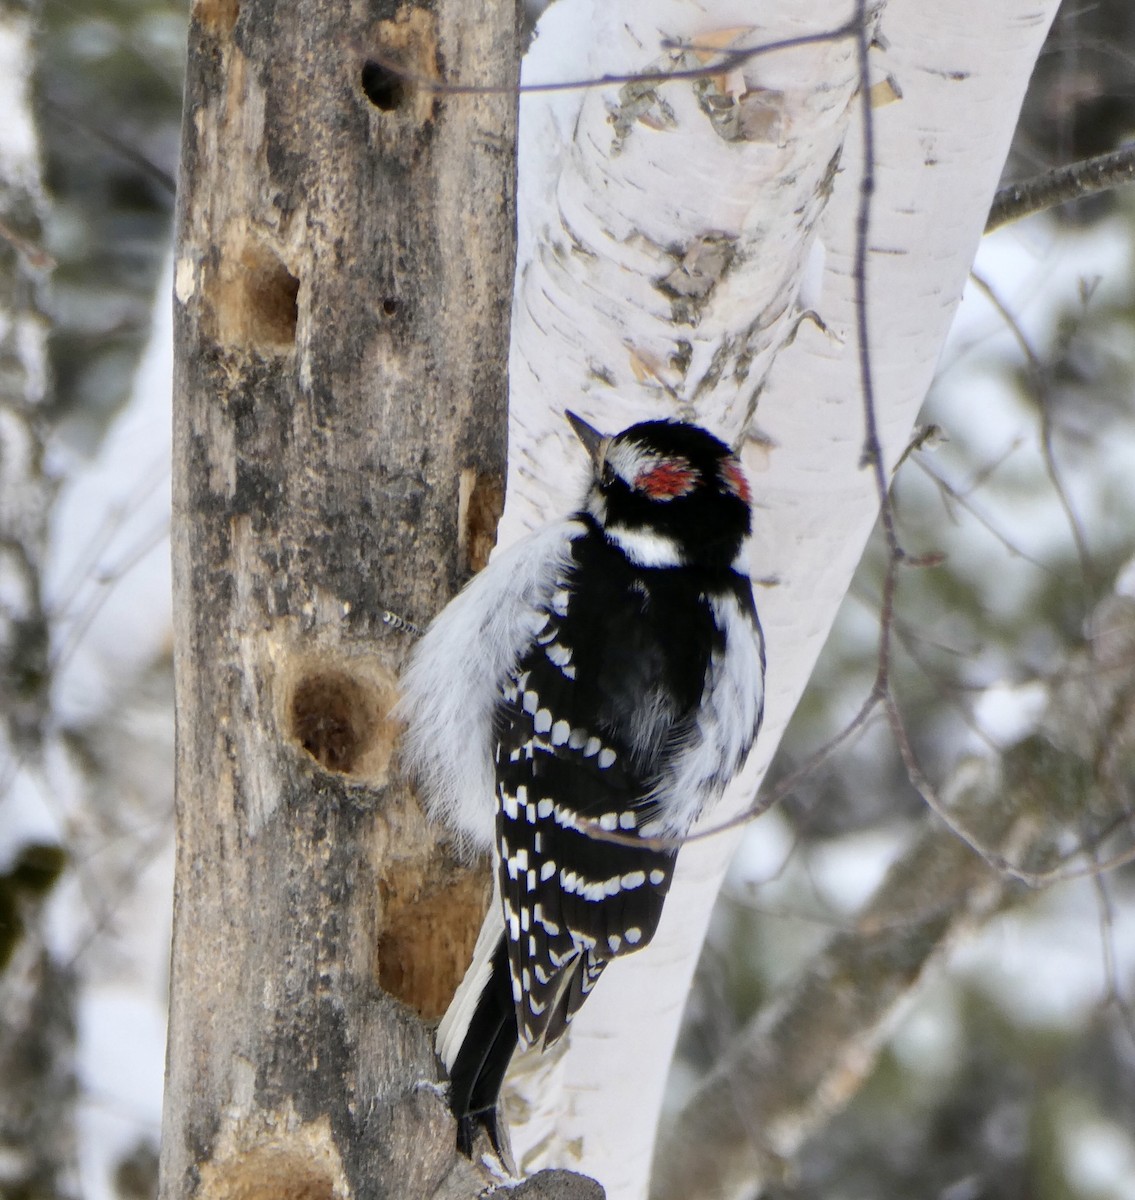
point(668, 494)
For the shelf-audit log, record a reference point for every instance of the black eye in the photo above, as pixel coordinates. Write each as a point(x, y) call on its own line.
point(607, 474)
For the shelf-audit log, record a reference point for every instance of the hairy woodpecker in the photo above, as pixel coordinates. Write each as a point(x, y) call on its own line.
point(606, 673)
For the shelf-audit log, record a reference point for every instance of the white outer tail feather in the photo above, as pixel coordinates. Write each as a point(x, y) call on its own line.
point(454, 1025)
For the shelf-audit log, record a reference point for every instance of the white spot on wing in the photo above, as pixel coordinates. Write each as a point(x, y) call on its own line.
point(559, 654)
point(565, 817)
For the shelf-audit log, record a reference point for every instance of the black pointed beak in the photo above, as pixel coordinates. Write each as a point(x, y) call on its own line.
point(594, 442)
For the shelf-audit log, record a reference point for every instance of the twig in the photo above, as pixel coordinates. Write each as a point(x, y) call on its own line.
point(1114, 996)
point(762, 804)
point(1040, 374)
point(950, 493)
point(1073, 182)
point(135, 157)
point(728, 60)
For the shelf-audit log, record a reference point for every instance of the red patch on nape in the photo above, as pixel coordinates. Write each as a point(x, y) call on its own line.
point(735, 481)
point(667, 479)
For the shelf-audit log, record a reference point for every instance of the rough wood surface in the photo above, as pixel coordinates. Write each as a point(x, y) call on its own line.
point(345, 248)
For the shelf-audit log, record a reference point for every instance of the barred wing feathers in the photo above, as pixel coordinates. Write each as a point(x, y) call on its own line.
point(604, 715)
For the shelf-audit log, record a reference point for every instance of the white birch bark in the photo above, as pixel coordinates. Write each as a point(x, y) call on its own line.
point(663, 248)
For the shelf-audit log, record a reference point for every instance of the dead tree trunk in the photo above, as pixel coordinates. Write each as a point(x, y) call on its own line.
point(345, 248)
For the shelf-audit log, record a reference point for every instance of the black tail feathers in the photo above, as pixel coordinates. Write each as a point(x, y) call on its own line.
point(486, 1050)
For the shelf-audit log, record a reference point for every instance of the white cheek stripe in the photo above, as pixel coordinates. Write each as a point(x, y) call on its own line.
point(645, 548)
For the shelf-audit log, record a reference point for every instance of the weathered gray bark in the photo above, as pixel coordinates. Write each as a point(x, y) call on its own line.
point(345, 247)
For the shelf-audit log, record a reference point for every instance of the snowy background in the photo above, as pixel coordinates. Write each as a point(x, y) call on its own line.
point(1012, 1071)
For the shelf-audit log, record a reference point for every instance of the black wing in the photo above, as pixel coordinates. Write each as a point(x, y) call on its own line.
point(587, 722)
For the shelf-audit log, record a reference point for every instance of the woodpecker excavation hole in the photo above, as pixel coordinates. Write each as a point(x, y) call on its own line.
point(430, 921)
point(269, 1174)
point(342, 720)
point(257, 299)
point(384, 88)
point(405, 58)
point(295, 1162)
point(217, 16)
point(389, 307)
point(480, 502)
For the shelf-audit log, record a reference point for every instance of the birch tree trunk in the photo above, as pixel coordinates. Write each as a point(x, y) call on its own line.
point(345, 250)
point(667, 231)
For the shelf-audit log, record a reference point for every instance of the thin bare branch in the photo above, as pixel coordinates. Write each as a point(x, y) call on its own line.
point(1075, 181)
point(760, 805)
point(727, 60)
point(1040, 374)
point(130, 154)
point(1114, 997)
